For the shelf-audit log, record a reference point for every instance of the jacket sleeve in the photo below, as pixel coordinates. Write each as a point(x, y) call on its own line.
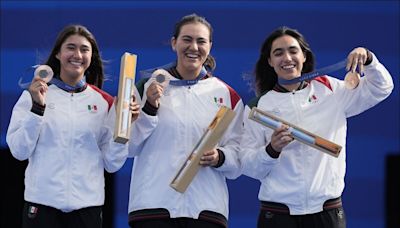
point(24, 129)
point(374, 87)
point(142, 128)
point(114, 154)
point(255, 161)
point(229, 144)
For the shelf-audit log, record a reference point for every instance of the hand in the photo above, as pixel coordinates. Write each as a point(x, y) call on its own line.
point(154, 93)
point(134, 107)
point(210, 158)
point(356, 59)
point(281, 138)
point(38, 90)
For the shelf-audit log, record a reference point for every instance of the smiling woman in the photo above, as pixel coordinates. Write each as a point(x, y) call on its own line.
point(65, 129)
point(192, 46)
point(301, 187)
point(74, 56)
point(173, 119)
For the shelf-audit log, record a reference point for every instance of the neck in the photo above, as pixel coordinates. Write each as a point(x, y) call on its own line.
point(188, 75)
point(72, 81)
point(291, 87)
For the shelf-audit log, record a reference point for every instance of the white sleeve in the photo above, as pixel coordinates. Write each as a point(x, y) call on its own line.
point(114, 154)
point(255, 161)
point(142, 128)
point(229, 144)
point(374, 87)
point(24, 129)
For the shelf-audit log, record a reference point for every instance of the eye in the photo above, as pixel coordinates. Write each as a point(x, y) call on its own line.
point(85, 50)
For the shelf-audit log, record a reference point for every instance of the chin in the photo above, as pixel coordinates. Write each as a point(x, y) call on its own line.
point(192, 66)
point(76, 74)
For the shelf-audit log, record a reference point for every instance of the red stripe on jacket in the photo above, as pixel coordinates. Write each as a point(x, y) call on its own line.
point(105, 95)
point(324, 80)
point(235, 98)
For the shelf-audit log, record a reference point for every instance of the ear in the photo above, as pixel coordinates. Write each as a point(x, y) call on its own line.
point(58, 56)
point(269, 63)
point(173, 43)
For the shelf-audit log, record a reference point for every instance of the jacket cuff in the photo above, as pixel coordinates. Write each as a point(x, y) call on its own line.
point(369, 58)
point(149, 109)
point(38, 108)
point(271, 152)
point(221, 158)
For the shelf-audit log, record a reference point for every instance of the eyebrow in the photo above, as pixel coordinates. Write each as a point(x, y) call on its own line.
point(281, 49)
point(73, 44)
point(188, 36)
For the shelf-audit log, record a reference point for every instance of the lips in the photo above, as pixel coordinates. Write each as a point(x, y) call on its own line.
point(288, 67)
point(75, 63)
point(192, 56)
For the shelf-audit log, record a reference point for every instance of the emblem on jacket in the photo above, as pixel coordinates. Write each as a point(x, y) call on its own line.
point(92, 108)
point(32, 212)
point(219, 101)
point(312, 99)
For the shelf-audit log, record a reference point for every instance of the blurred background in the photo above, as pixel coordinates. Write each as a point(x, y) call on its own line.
point(332, 28)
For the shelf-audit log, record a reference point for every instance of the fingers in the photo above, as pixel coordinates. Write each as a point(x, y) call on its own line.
point(154, 93)
point(133, 105)
point(38, 89)
point(280, 138)
point(356, 60)
point(38, 85)
point(134, 108)
point(209, 158)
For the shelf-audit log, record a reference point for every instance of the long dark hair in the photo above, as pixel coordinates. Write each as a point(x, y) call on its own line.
point(265, 75)
point(210, 63)
point(94, 73)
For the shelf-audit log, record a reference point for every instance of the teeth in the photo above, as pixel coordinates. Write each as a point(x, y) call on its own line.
point(192, 55)
point(288, 67)
point(76, 63)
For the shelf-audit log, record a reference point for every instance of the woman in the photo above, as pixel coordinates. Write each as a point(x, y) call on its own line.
point(172, 121)
point(300, 186)
point(65, 129)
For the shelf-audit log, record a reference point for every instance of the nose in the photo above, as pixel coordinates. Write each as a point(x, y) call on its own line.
point(287, 56)
point(78, 53)
point(194, 46)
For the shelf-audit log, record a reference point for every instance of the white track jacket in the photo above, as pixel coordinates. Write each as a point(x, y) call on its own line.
point(161, 144)
point(68, 147)
point(302, 177)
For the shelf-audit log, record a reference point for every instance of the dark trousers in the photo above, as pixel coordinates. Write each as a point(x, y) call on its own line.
point(40, 216)
point(160, 218)
point(275, 215)
point(175, 223)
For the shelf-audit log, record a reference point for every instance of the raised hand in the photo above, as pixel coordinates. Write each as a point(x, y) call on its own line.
point(38, 90)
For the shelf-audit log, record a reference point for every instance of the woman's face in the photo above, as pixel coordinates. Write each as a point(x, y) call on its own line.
point(286, 57)
point(75, 56)
point(192, 46)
